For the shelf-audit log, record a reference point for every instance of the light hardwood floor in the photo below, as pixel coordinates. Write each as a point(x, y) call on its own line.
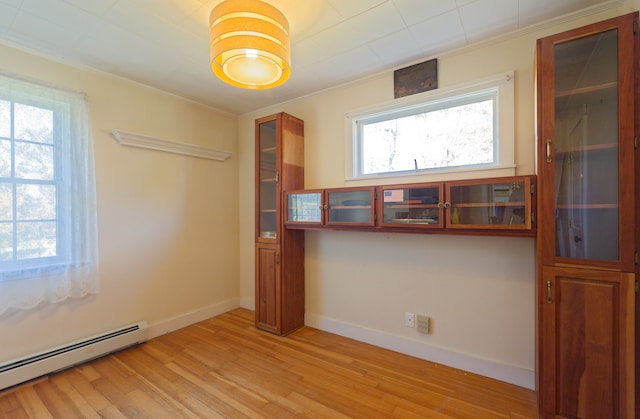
point(224, 367)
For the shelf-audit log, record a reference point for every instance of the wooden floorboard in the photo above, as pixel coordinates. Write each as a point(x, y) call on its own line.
point(225, 368)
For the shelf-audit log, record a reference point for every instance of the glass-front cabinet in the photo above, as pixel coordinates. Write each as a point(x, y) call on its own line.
point(484, 206)
point(304, 207)
point(350, 206)
point(586, 144)
point(496, 204)
point(330, 207)
point(279, 252)
point(588, 239)
point(413, 206)
point(584, 150)
point(267, 222)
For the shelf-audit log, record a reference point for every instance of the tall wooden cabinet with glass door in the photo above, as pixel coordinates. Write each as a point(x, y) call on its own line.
point(587, 238)
point(279, 288)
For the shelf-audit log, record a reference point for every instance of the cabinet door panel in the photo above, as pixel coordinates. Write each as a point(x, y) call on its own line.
point(586, 313)
point(411, 206)
point(491, 204)
point(350, 206)
point(267, 191)
point(267, 287)
point(585, 131)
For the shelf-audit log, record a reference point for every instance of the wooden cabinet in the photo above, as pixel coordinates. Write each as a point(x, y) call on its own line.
point(481, 206)
point(341, 207)
point(417, 206)
point(279, 289)
point(587, 337)
point(587, 234)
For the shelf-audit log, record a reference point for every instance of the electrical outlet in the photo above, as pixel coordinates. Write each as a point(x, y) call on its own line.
point(424, 324)
point(409, 319)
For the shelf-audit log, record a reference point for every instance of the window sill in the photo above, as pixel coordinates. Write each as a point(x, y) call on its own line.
point(444, 174)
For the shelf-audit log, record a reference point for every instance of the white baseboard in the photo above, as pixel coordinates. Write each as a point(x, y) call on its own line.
point(169, 325)
point(488, 368)
point(248, 303)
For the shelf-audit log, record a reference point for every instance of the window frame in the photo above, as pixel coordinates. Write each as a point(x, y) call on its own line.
point(61, 116)
point(504, 121)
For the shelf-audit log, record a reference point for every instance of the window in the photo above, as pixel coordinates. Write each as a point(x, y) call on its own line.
point(48, 233)
point(461, 129)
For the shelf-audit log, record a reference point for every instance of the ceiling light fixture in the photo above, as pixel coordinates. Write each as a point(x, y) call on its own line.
point(249, 44)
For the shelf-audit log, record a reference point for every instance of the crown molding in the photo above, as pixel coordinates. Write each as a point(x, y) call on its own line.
point(159, 144)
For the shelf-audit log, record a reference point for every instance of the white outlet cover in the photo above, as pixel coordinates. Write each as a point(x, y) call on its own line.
point(409, 319)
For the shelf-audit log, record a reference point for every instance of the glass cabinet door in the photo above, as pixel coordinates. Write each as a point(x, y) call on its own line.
point(499, 204)
point(350, 206)
point(411, 206)
point(268, 182)
point(304, 207)
point(585, 150)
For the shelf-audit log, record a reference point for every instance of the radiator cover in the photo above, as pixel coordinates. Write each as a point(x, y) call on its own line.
point(61, 357)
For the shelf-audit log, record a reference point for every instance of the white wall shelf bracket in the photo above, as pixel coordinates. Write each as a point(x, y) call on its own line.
point(159, 144)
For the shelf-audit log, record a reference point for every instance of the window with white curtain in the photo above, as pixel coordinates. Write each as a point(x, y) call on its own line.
point(48, 226)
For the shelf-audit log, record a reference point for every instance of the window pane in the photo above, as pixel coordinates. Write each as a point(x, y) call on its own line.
point(36, 239)
point(6, 241)
point(35, 202)
point(6, 202)
point(34, 161)
point(5, 119)
point(456, 136)
point(33, 124)
point(5, 158)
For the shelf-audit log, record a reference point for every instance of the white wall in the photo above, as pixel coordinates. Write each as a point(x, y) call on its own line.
point(168, 224)
point(479, 291)
point(174, 250)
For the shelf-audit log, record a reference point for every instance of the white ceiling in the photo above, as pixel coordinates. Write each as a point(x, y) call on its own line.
point(165, 43)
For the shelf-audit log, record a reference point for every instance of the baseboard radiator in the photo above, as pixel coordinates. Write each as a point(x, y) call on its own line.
point(55, 359)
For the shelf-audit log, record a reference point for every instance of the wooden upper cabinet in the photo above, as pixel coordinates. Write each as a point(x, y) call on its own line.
point(586, 144)
point(493, 206)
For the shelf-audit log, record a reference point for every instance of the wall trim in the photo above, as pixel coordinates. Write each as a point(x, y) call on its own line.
point(248, 303)
point(159, 144)
point(489, 368)
point(183, 320)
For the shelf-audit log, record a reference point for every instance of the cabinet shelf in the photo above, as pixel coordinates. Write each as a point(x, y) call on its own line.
point(349, 207)
point(268, 180)
point(413, 221)
point(593, 147)
point(269, 149)
point(599, 88)
point(587, 206)
point(416, 206)
point(488, 204)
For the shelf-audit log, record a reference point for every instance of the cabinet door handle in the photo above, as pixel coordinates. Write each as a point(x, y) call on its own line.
point(440, 205)
point(277, 258)
point(549, 151)
point(447, 204)
point(549, 299)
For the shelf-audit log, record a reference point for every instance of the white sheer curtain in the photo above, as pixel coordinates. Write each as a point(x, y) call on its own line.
point(48, 222)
